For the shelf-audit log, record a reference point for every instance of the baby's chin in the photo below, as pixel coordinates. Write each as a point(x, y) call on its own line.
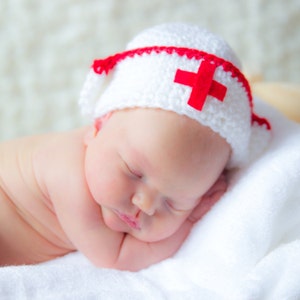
point(149, 236)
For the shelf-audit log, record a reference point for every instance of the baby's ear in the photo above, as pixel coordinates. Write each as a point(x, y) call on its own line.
point(93, 130)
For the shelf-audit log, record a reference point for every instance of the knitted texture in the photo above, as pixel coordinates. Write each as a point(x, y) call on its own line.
point(184, 69)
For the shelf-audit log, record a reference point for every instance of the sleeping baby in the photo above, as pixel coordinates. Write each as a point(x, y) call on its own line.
point(170, 115)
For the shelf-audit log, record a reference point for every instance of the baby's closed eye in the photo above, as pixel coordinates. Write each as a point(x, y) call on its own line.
point(176, 206)
point(132, 172)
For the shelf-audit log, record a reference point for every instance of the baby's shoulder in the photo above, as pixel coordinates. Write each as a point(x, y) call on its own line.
point(59, 154)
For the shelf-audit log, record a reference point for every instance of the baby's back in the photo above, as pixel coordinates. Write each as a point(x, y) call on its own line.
point(29, 229)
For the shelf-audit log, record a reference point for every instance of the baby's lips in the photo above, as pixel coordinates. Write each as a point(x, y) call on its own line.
point(129, 220)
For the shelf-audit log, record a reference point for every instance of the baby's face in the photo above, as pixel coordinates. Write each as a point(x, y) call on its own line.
point(148, 170)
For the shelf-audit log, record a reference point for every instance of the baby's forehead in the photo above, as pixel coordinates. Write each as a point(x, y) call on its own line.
point(162, 119)
point(166, 133)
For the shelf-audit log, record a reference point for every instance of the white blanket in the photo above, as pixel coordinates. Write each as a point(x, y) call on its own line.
point(246, 247)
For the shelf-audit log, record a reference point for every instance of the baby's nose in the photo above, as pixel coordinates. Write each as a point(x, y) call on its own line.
point(145, 202)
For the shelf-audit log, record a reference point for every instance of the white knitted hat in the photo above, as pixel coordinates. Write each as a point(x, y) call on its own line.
point(184, 69)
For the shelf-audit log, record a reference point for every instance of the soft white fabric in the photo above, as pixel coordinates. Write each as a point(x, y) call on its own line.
point(246, 247)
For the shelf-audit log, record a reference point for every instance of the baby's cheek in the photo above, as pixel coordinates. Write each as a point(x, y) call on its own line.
point(112, 221)
point(110, 192)
point(174, 224)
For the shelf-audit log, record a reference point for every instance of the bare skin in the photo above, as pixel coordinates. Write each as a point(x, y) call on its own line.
point(126, 197)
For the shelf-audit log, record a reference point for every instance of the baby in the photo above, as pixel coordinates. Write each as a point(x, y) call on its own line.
point(171, 113)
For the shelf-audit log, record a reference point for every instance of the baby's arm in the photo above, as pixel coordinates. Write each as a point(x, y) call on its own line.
point(59, 166)
point(83, 224)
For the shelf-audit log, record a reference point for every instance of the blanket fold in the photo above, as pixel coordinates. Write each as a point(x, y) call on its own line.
point(246, 247)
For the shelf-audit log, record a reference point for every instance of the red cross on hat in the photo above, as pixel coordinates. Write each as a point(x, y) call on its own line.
point(202, 84)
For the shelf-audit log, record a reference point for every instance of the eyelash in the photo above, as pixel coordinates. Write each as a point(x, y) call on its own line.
point(134, 173)
point(137, 175)
point(170, 205)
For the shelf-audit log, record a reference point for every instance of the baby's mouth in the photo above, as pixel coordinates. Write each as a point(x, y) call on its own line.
point(131, 221)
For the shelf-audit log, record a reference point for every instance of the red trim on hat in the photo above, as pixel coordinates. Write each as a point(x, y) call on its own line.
point(260, 121)
point(105, 65)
